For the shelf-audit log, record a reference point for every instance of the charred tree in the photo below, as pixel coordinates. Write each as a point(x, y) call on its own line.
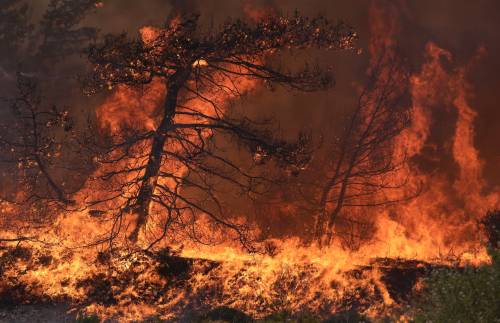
point(153, 166)
point(193, 66)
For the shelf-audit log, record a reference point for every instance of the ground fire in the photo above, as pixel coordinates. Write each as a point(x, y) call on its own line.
point(248, 161)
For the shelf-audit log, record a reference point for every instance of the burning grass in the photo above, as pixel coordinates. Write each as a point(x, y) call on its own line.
point(166, 285)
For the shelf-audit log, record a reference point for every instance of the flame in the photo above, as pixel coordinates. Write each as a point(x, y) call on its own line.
point(128, 107)
point(149, 34)
point(200, 63)
point(442, 221)
point(434, 221)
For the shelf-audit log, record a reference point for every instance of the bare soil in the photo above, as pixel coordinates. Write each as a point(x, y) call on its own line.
point(36, 314)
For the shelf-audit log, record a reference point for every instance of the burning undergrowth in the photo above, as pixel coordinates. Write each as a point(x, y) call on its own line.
point(168, 285)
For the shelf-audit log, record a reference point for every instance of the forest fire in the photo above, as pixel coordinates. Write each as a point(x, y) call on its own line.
point(142, 210)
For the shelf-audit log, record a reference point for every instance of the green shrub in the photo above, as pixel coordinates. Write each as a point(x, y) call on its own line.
point(84, 318)
point(347, 317)
point(468, 295)
point(286, 317)
point(225, 314)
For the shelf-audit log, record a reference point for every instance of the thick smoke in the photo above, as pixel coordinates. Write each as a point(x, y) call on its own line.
point(182, 7)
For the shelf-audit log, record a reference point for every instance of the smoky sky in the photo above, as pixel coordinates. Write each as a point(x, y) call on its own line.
point(461, 27)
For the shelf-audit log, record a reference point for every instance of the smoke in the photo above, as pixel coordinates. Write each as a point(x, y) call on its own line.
point(182, 7)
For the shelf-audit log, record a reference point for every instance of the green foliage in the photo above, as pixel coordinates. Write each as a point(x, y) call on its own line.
point(468, 295)
point(228, 315)
point(347, 317)
point(225, 314)
point(282, 317)
point(85, 318)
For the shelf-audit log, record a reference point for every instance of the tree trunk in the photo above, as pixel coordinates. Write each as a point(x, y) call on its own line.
point(61, 197)
point(150, 178)
point(319, 227)
point(338, 208)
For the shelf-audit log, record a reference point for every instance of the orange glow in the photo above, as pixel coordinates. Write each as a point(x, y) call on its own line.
point(200, 63)
point(149, 34)
point(134, 108)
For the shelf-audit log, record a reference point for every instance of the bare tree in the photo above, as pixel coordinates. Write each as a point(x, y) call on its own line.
point(194, 67)
point(365, 162)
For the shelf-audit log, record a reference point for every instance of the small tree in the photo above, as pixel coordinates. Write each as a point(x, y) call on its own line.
point(365, 161)
point(200, 68)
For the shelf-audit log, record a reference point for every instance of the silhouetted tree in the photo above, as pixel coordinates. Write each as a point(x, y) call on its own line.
point(60, 32)
point(57, 35)
point(38, 176)
point(195, 66)
point(29, 145)
point(33, 187)
point(365, 163)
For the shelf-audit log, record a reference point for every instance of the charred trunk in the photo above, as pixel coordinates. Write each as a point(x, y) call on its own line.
point(150, 178)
